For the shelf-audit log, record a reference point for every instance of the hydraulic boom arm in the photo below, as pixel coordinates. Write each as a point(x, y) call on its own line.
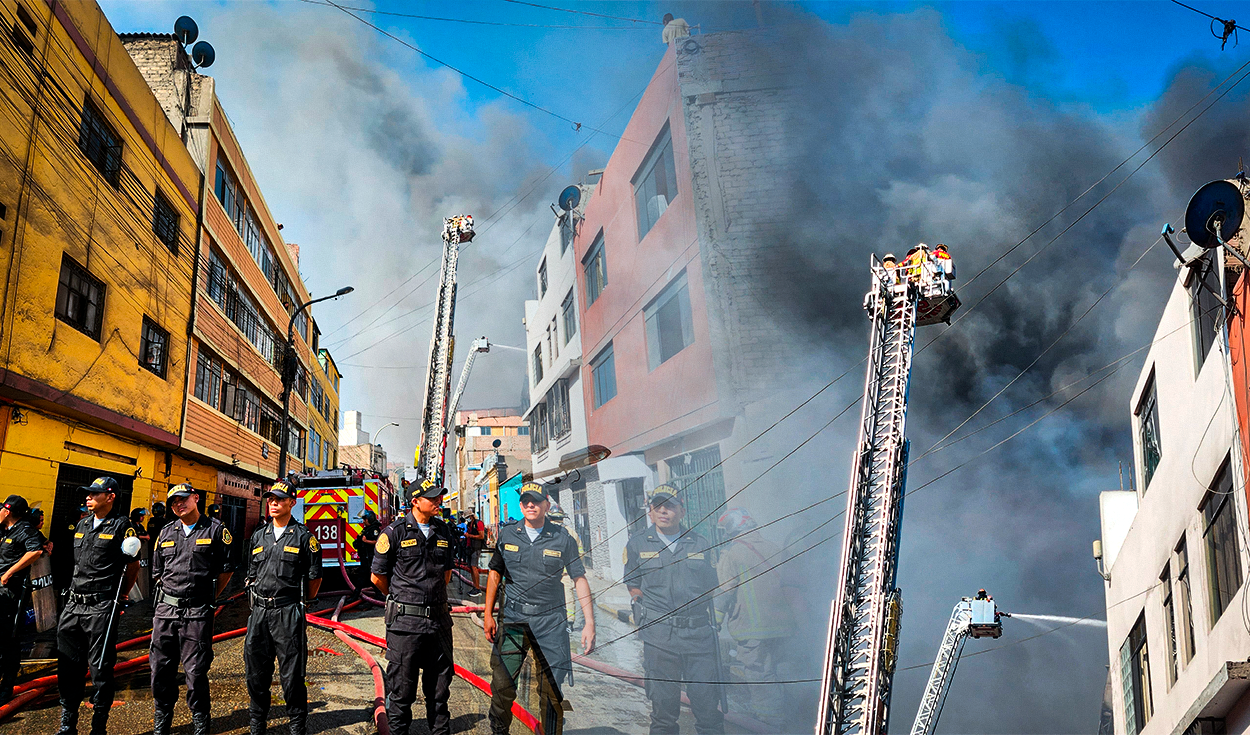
point(978, 618)
point(481, 344)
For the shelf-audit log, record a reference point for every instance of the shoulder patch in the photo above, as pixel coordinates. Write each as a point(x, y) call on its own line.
point(313, 546)
point(225, 535)
point(384, 544)
point(130, 533)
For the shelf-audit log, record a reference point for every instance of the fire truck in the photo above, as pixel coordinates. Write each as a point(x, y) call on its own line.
point(331, 503)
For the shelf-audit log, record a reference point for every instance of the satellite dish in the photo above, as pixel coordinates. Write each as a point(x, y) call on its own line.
point(570, 197)
point(202, 54)
point(1218, 201)
point(185, 30)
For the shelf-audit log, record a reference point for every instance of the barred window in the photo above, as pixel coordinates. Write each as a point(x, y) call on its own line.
point(569, 310)
point(270, 422)
point(80, 298)
point(100, 143)
point(153, 347)
point(165, 222)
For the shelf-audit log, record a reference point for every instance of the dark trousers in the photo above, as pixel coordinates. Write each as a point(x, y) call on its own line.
point(187, 638)
point(550, 634)
point(665, 670)
point(407, 655)
point(282, 632)
point(10, 646)
point(79, 642)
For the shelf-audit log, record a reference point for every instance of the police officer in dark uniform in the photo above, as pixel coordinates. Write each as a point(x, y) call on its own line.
point(533, 555)
point(283, 555)
point(22, 544)
point(412, 566)
point(669, 573)
point(366, 542)
point(191, 566)
point(84, 632)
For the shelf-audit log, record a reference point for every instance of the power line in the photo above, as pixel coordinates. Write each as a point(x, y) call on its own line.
point(585, 12)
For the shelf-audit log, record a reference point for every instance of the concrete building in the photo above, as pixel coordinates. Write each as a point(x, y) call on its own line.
point(490, 442)
point(1174, 548)
point(678, 355)
point(355, 449)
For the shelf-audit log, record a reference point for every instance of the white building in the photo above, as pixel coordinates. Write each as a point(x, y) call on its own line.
point(1174, 548)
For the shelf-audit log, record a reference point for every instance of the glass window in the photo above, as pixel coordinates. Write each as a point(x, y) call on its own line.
point(208, 374)
point(165, 222)
point(542, 279)
point(538, 428)
point(230, 195)
point(1220, 536)
point(670, 327)
point(80, 298)
point(1203, 288)
point(559, 416)
point(603, 371)
point(1184, 604)
point(595, 266)
point(295, 440)
point(568, 309)
point(1169, 625)
point(153, 347)
point(1148, 431)
point(1135, 678)
point(537, 364)
point(100, 143)
point(655, 184)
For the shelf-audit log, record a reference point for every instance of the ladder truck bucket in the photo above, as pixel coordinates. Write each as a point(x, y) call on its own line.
point(985, 622)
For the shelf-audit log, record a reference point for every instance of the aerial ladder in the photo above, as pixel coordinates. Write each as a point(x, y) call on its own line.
point(865, 616)
point(481, 344)
point(973, 617)
point(431, 453)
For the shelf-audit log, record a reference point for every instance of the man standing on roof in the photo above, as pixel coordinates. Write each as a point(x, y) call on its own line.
point(22, 544)
point(533, 556)
point(284, 555)
point(670, 578)
point(412, 566)
point(84, 636)
point(191, 567)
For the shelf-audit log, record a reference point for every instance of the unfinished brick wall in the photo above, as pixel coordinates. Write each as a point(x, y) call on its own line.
point(164, 66)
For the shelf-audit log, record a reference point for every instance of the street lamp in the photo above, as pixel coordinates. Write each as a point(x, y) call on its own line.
point(376, 443)
point(288, 374)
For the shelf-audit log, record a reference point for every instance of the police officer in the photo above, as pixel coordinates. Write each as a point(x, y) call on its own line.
point(84, 632)
point(284, 554)
point(533, 556)
point(412, 566)
point(22, 544)
point(670, 576)
point(366, 542)
point(191, 566)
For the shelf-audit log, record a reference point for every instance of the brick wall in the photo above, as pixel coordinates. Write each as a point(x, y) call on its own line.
point(743, 154)
point(164, 67)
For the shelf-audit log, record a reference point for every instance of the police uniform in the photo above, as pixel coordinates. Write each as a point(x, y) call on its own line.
point(276, 574)
point(678, 640)
point(533, 597)
point(187, 566)
point(418, 619)
point(99, 565)
point(18, 540)
point(364, 551)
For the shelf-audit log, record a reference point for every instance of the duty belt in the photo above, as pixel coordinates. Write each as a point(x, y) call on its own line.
point(181, 602)
point(524, 608)
point(273, 602)
point(403, 608)
point(685, 621)
point(89, 599)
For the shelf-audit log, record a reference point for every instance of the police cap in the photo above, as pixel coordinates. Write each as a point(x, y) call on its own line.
point(180, 490)
point(534, 491)
point(16, 505)
point(428, 489)
point(665, 494)
point(101, 485)
point(279, 490)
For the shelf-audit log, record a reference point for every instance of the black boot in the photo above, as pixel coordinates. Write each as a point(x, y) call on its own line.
point(200, 723)
point(258, 726)
point(100, 720)
point(69, 720)
point(163, 720)
point(299, 724)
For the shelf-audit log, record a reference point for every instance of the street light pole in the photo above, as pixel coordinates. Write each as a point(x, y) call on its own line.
point(376, 443)
point(288, 375)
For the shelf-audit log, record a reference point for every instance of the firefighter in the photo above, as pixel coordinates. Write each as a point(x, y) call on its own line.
point(84, 636)
point(532, 556)
point(284, 555)
point(191, 566)
point(945, 267)
point(670, 577)
point(22, 544)
point(890, 263)
point(412, 567)
point(366, 543)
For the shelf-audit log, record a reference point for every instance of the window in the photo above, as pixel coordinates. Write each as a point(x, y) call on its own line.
point(23, 37)
point(224, 390)
point(270, 422)
point(603, 371)
point(538, 428)
point(655, 184)
point(538, 364)
point(314, 448)
point(542, 278)
point(1148, 431)
point(669, 324)
point(295, 440)
point(1135, 678)
point(1204, 285)
point(100, 144)
point(553, 339)
point(1220, 537)
point(558, 414)
point(1184, 604)
point(1169, 625)
point(569, 312)
point(208, 375)
point(229, 194)
point(523, 431)
point(596, 270)
point(165, 222)
point(153, 347)
point(225, 290)
point(29, 22)
point(79, 298)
